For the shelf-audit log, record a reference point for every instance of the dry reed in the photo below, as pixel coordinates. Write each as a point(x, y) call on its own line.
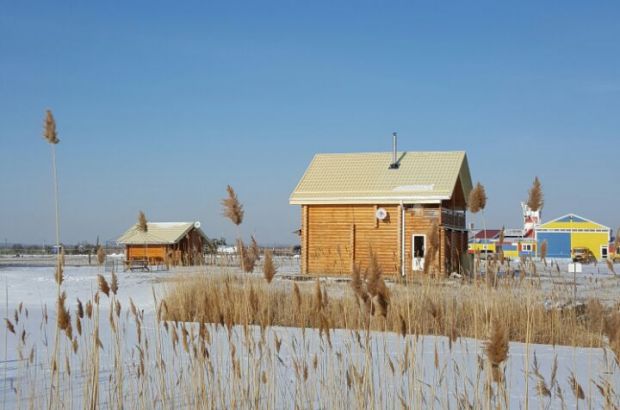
point(103, 285)
point(477, 199)
point(233, 209)
point(535, 200)
point(143, 225)
point(269, 269)
point(198, 298)
point(49, 128)
point(114, 283)
point(100, 255)
point(543, 251)
point(496, 348)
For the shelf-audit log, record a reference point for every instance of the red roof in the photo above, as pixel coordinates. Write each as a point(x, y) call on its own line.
point(487, 234)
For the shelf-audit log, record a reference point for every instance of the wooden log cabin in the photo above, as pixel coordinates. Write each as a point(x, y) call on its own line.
point(164, 243)
point(384, 202)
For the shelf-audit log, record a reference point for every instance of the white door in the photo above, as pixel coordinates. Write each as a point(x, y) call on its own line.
point(418, 243)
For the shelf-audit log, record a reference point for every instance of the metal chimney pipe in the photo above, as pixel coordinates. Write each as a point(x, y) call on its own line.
point(394, 163)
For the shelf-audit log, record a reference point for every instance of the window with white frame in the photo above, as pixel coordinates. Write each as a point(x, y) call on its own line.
point(526, 247)
point(604, 250)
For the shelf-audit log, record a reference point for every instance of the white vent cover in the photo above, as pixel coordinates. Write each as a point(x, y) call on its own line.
point(197, 224)
point(381, 214)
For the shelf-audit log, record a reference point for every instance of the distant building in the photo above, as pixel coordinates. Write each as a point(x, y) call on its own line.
point(514, 244)
point(352, 204)
point(169, 243)
point(572, 231)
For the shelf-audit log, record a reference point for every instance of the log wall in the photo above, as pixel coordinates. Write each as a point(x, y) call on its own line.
point(335, 238)
point(143, 252)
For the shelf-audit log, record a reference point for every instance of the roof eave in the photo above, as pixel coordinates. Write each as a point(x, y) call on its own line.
point(434, 199)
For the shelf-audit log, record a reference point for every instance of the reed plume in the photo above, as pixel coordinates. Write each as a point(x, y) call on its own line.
point(535, 200)
point(576, 387)
point(9, 326)
point(64, 317)
point(142, 222)
point(80, 309)
point(254, 249)
point(269, 269)
point(500, 249)
point(376, 286)
point(59, 272)
point(246, 257)
point(103, 285)
point(100, 255)
point(543, 251)
point(114, 283)
point(477, 199)
point(496, 348)
point(358, 285)
point(233, 209)
point(49, 128)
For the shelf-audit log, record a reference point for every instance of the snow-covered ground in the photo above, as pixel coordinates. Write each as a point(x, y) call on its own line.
point(420, 372)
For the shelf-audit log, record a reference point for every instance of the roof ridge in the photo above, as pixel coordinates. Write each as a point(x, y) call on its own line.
point(390, 152)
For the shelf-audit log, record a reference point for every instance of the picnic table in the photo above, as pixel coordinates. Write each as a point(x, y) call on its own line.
point(137, 264)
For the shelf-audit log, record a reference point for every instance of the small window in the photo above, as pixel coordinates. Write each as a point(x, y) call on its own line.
point(604, 252)
point(526, 247)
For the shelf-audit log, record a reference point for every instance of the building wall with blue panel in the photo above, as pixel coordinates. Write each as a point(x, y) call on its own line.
point(573, 231)
point(558, 243)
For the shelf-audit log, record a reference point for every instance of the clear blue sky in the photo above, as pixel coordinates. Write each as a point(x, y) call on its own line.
point(159, 105)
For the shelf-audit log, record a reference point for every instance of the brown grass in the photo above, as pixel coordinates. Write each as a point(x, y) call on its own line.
point(426, 309)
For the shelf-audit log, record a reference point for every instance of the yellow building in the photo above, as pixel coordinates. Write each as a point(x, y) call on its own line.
point(572, 231)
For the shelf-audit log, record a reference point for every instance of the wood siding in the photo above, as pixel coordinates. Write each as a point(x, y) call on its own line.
point(143, 252)
point(188, 251)
point(335, 238)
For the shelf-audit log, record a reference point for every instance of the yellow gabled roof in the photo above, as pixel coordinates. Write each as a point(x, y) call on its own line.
point(157, 233)
point(572, 221)
point(422, 177)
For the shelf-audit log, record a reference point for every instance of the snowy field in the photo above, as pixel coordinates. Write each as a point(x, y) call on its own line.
point(303, 368)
